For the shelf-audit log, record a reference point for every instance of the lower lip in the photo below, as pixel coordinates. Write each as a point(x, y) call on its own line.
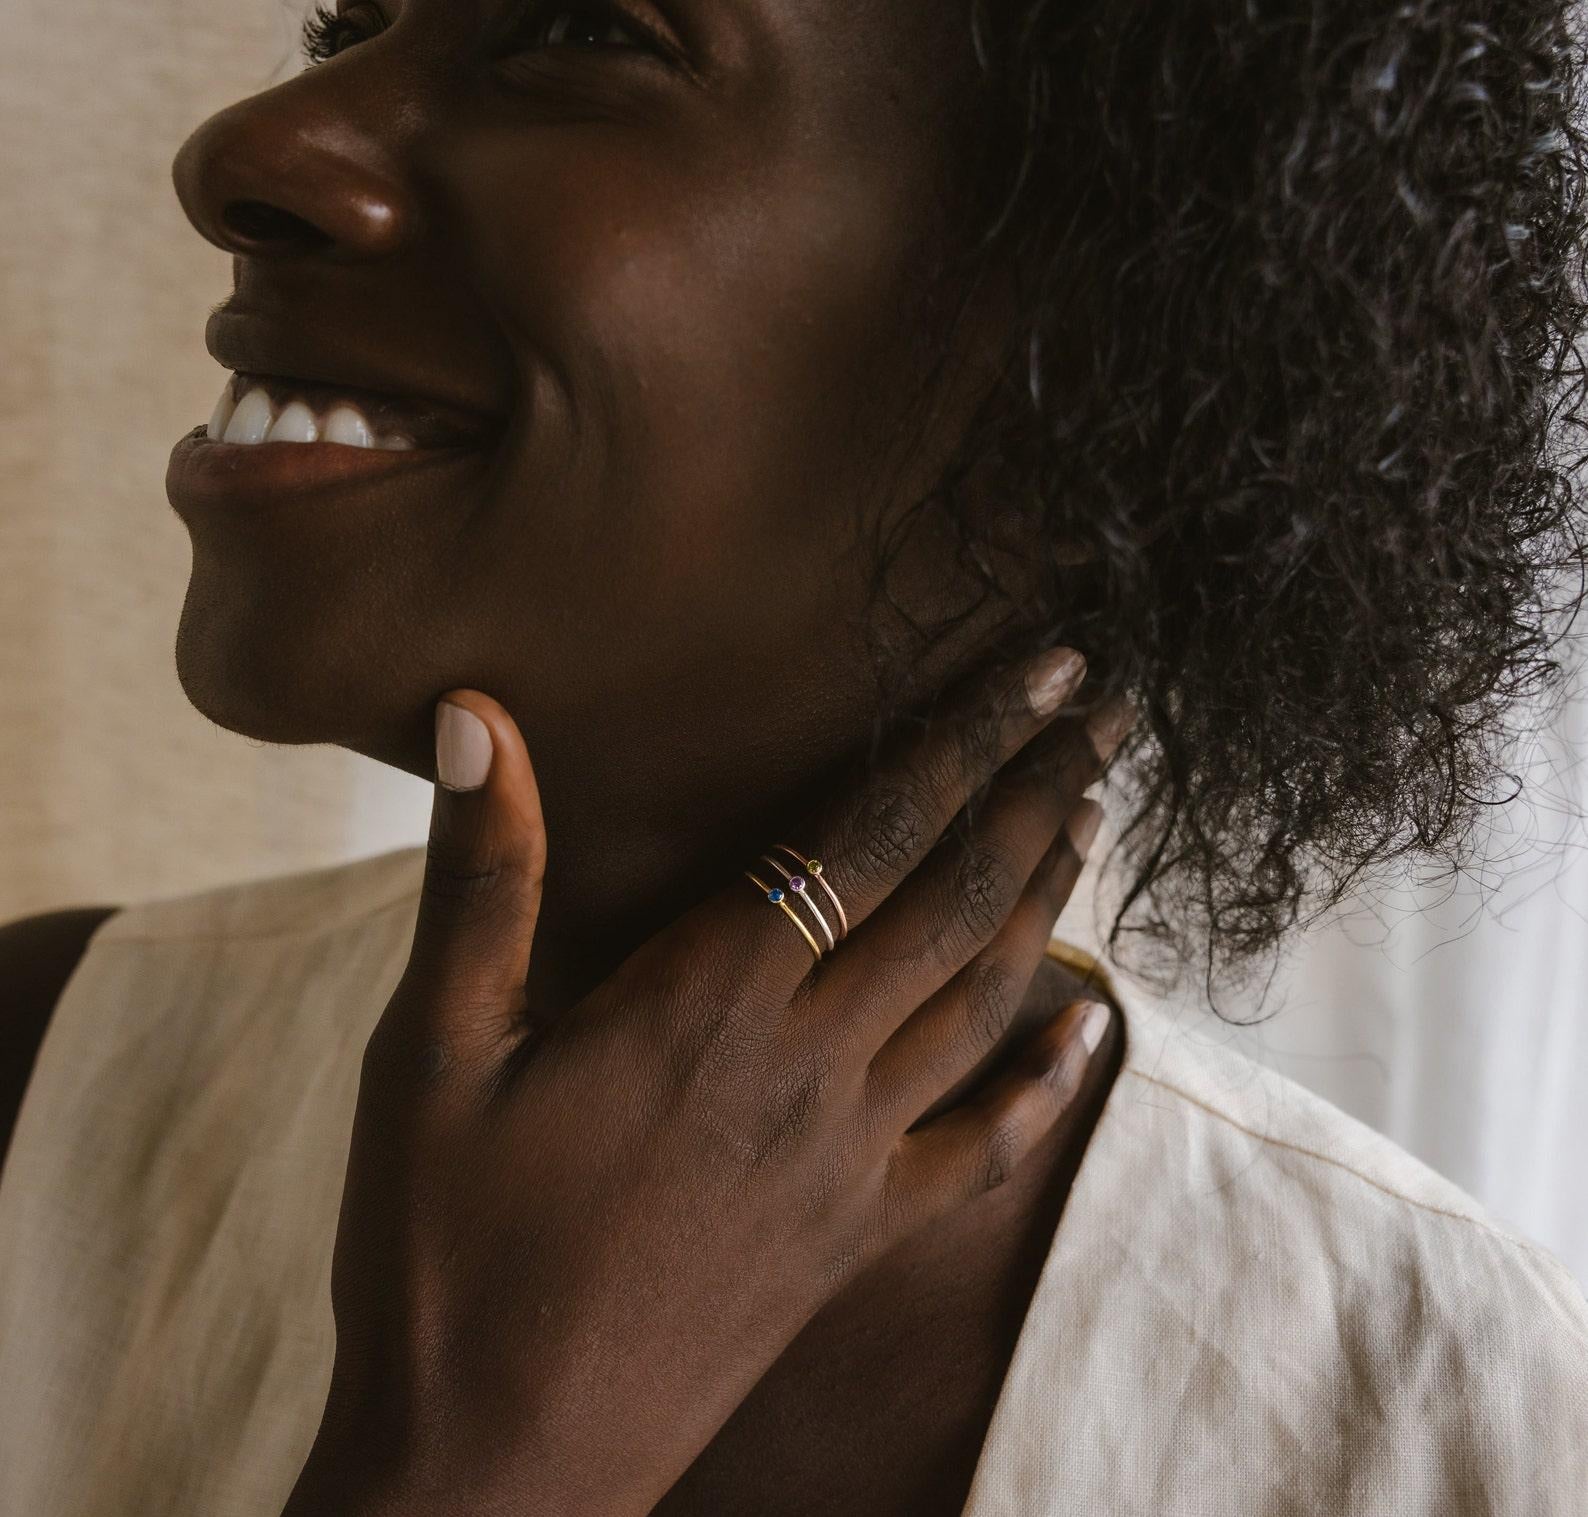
point(239, 476)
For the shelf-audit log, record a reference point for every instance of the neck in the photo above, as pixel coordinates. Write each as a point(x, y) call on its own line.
point(621, 868)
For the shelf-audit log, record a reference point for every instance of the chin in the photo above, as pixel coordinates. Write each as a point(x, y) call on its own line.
point(256, 669)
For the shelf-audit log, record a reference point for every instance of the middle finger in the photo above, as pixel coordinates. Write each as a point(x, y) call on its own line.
point(956, 901)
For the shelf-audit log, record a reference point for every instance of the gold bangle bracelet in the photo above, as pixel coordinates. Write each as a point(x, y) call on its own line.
point(788, 911)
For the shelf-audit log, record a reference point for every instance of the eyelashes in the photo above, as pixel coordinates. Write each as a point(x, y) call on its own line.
point(327, 32)
point(324, 31)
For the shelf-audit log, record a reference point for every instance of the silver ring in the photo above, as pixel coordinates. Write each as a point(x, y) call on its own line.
point(796, 885)
point(813, 870)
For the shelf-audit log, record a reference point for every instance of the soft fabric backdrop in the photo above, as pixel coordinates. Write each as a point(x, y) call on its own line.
point(1455, 1022)
point(115, 788)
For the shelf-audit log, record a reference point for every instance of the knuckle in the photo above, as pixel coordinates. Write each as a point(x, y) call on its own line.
point(1002, 1148)
point(986, 885)
point(796, 1102)
point(394, 1057)
point(699, 1041)
point(989, 1000)
point(453, 880)
point(893, 829)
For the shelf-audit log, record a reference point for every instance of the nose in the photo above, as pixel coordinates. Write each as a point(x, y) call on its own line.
point(284, 175)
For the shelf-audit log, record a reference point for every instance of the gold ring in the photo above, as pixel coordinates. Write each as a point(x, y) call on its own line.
point(776, 898)
point(813, 867)
point(796, 885)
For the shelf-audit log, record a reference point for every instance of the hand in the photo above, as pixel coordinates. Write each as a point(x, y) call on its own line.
point(566, 1255)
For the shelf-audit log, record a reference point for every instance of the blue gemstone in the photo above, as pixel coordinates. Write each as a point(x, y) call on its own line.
point(774, 896)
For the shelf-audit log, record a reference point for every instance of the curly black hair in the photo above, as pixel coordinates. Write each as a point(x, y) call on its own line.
point(1296, 373)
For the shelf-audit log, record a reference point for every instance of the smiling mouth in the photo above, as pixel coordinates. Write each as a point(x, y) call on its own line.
point(255, 409)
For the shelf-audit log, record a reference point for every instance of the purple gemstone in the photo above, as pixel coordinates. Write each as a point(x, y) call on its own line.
point(797, 882)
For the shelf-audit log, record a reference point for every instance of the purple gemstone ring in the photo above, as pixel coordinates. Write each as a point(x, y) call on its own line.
point(796, 883)
point(813, 871)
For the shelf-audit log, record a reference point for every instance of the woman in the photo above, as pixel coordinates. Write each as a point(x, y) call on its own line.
point(643, 415)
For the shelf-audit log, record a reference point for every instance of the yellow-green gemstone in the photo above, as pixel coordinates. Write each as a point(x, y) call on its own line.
point(815, 866)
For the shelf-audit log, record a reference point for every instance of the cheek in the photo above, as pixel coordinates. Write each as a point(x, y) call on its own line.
point(709, 356)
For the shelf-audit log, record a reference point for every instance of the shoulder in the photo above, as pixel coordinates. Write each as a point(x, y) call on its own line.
point(178, 948)
point(1276, 1149)
point(1303, 1263)
point(38, 955)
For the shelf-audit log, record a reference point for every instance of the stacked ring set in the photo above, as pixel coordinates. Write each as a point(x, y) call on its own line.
point(799, 888)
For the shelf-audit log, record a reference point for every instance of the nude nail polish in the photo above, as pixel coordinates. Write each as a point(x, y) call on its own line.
point(463, 748)
point(1052, 677)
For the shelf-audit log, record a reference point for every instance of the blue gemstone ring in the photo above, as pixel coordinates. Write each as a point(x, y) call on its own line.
point(777, 898)
point(796, 884)
point(813, 871)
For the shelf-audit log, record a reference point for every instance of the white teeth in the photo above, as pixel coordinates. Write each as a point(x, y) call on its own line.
point(297, 423)
point(223, 414)
point(251, 420)
point(348, 427)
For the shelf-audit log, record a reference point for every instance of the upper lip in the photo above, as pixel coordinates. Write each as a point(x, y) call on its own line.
point(248, 344)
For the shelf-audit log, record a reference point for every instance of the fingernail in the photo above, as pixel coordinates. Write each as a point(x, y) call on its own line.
point(1107, 727)
point(1082, 827)
point(463, 748)
point(1051, 677)
point(1093, 1025)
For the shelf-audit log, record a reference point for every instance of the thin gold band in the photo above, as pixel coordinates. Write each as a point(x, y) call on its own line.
point(804, 895)
point(814, 870)
point(788, 911)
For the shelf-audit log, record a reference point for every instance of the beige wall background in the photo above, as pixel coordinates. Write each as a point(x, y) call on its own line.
point(112, 787)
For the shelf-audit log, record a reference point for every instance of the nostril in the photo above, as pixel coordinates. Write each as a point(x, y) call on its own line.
point(268, 226)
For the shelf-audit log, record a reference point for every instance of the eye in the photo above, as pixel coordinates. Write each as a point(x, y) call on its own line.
point(582, 24)
point(586, 24)
point(326, 33)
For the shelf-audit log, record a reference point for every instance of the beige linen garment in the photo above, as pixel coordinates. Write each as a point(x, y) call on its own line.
point(1252, 1305)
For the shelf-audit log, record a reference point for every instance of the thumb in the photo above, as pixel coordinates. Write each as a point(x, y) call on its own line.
point(484, 870)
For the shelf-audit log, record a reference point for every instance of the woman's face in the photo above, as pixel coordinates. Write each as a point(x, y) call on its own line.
point(677, 299)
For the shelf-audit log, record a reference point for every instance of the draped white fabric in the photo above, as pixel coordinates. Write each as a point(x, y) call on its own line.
point(1452, 1015)
point(1455, 1025)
